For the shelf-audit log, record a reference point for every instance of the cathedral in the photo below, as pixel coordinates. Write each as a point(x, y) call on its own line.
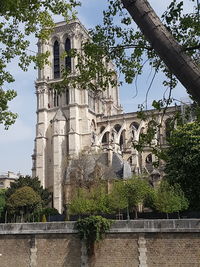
point(78, 120)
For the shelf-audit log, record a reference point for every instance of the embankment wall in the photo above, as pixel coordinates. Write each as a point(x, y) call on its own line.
point(142, 243)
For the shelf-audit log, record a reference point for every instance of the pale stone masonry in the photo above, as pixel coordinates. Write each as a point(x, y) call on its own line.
point(137, 243)
point(79, 119)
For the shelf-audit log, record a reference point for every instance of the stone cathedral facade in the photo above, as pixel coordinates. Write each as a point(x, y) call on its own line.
point(78, 120)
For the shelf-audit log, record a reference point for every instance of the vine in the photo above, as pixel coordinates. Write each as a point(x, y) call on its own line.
point(92, 230)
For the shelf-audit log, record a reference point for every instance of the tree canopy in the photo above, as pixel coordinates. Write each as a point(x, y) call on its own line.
point(118, 40)
point(34, 183)
point(169, 199)
point(25, 200)
point(171, 47)
point(183, 159)
point(90, 201)
point(19, 20)
point(2, 200)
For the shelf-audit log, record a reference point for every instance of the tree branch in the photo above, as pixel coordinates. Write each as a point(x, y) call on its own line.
point(192, 48)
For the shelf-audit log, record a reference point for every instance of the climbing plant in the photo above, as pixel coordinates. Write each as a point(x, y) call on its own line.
point(92, 229)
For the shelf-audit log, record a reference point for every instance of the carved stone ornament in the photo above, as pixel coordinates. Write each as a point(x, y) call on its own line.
point(42, 90)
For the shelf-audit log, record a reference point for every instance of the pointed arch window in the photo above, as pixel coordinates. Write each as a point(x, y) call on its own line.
point(67, 96)
point(105, 139)
point(56, 98)
point(68, 63)
point(56, 63)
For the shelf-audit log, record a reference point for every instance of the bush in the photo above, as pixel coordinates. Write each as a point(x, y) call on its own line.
point(92, 229)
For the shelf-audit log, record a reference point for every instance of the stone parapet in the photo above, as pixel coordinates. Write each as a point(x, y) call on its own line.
point(132, 226)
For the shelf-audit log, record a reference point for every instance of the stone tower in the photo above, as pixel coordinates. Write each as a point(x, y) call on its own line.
point(66, 122)
point(79, 119)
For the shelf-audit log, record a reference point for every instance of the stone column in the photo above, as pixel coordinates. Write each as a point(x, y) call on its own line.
point(142, 251)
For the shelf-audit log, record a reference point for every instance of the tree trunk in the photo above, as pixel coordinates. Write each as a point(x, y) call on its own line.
point(172, 54)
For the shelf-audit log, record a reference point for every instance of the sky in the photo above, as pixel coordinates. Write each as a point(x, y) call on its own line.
point(17, 143)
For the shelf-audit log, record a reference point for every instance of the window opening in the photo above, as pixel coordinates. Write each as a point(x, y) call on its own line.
point(68, 63)
point(56, 54)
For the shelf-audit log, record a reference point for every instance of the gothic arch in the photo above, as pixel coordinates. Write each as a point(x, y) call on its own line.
point(93, 126)
point(105, 138)
point(102, 129)
point(149, 163)
point(56, 59)
point(122, 140)
point(117, 127)
point(68, 60)
point(142, 130)
point(135, 125)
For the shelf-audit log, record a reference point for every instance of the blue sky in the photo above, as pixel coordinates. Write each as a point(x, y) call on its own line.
point(16, 144)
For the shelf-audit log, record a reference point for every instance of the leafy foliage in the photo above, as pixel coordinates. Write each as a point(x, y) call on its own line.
point(6, 117)
point(116, 40)
point(170, 198)
point(34, 183)
point(49, 211)
point(93, 201)
point(2, 200)
point(117, 197)
point(124, 194)
point(119, 41)
point(183, 159)
point(136, 191)
point(81, 204)
point(19, 20)
point(92, 229)
point(24, 200)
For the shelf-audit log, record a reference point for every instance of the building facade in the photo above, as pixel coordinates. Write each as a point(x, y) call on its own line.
point(7, 178)
point(77, 119)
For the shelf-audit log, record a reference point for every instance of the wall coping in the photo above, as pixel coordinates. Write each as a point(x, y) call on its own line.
point(132, 226)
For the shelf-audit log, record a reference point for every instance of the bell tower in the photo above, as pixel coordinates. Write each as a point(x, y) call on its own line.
point(64, 118)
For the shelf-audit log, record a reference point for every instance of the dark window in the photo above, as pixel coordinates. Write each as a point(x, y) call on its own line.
point(149, 159)
point(68, 64)
point(56, 54)
point(67, 96)
point(105, 139)
point(56, 99)
point(122, 139)
point(102, 129)
point(117, 127)
point(135, 125)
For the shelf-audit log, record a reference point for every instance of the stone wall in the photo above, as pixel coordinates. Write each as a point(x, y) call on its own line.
point(142, 243)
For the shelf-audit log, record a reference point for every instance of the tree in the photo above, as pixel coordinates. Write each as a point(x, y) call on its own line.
point(117, 197)
point(136, 190)
point(2, 201)
point(167, 48)
point(24, 201)
point(157, 45)
point(170, 198)
point(183, 157)
point(19, 20)
point(81, 204)
point(90, 201)
point(86, 170)
point(129, 194)
point(34, 183)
